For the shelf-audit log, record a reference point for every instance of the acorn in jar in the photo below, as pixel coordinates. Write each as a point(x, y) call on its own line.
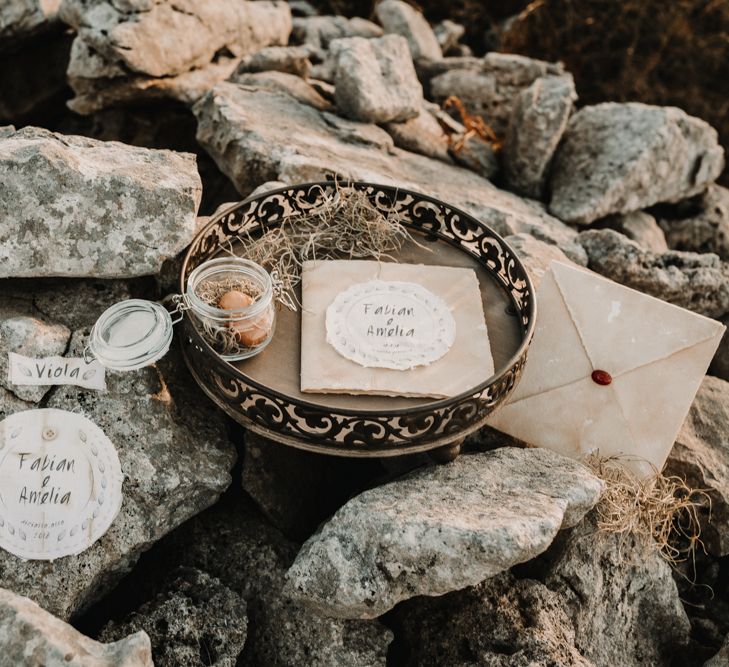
point(232, 300)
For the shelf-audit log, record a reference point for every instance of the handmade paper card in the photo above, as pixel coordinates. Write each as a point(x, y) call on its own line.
point(392, 329)
point(610, 371)
point(60, 484)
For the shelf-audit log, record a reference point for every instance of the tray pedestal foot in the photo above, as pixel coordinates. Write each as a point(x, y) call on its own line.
point(446, 453)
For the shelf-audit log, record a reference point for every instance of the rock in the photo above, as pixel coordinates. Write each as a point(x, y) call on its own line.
point(721, 659)
point(503, 616)
point(720, 364)
point(24, 18)
point(448, 33)
point(375, 80)
point(32, 637)
point(422, 134)
point(536, 257)
point(141, 51)
point(620, 595)
point(640, 227)
point(701, 457)
point(72, 206)
point(705, 227)
point(297, 490)
point(288, 59)
point(176, 459)
point(592, 599)
point(618, 158)
point(233, 543)
point(440, 529)
point(538, 120)
point(94, 93)
point(476, 154)
point(487, 86)
point(257, 136)
point(697, 282)
point(400, 18)
point(320, 31)
point(149, 38)
point(286, 83)
point(30, 337)
point(194, 620)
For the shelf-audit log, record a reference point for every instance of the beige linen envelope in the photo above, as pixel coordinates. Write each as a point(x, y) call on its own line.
point(656, 353)
point(464, 366)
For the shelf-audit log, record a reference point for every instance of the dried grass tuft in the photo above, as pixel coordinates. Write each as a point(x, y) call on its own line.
point(346, 226)
point(661, 511)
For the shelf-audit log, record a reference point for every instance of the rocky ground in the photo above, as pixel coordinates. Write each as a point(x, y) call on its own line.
point(124, 124)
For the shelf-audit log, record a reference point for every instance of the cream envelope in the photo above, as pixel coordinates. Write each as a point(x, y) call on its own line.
point(656, 354)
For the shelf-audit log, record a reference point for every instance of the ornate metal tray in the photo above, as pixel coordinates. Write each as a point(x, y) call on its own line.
point(262, 393)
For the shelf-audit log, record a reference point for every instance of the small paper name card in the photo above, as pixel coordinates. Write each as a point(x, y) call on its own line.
point(390, 325)
point(390, 329)
point(60, 484)
point(24, 370)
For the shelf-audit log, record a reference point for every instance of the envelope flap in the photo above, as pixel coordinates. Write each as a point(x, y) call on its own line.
point(622, 329)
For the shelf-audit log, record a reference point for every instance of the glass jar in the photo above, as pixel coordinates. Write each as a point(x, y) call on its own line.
point(245, 323)
point(231, 303)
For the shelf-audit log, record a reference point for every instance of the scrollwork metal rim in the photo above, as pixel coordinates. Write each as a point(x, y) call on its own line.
point(408, 429)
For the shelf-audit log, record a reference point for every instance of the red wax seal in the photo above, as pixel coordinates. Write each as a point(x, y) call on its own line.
point(602, 377)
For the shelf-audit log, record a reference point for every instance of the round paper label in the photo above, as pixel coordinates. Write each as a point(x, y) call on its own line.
point(390, 324)
point(60, 484)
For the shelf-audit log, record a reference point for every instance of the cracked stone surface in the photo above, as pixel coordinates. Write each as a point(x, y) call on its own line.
point(400, 18)
point(536, 126)
point(440, 529)
point(30, 337)
point(139, 50)
point(23, 18)
point(375, 80)
point(256, 136)
point(701, 224)
point(31, 636)
point(701, 457)
point(618, 158)
point(176, 459)
point(690, 280)
point(233, 543)
point(487, 86)
point(193, 620)
point(72, 206)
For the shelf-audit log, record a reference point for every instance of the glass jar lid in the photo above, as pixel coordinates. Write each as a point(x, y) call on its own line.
point(131, 334)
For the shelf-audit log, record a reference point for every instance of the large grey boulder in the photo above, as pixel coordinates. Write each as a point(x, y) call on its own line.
point(72, 206)
point(193, 620)
point(23, 18)
point(139, 50)
point(233, 543)
point(257, 136)
point(400, 18)
point(487, 86)
point(176, 459)
point(690, 280)
point(538, 120)
point(31, 637)
point(591, 600)
point(701, 457)
point(375, 81)
point(617, 158)
point(701, 225)
point(440, 529)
